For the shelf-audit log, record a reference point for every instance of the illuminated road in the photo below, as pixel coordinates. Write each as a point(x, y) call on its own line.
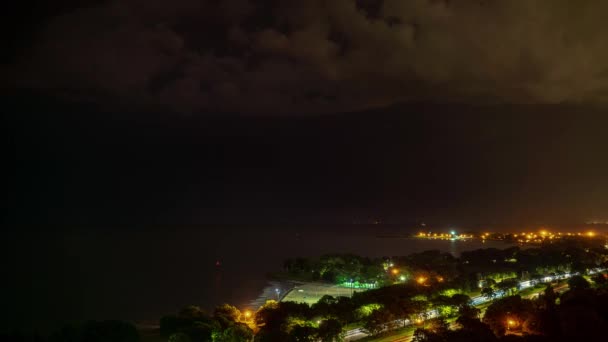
point(359, 333)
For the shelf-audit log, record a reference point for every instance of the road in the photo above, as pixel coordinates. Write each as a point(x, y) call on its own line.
point(359, 333)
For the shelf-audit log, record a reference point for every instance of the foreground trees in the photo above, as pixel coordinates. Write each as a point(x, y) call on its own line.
point(508, 313)
point(379, 321)
point(227, 324)
point(581, 315)
point(287, 321)
point(578, 283)
point(330, 330)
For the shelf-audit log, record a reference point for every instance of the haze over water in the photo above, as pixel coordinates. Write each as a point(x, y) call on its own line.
point(141, 274)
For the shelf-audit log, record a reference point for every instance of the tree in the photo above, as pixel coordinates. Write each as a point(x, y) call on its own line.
point(578, 283)
point(508, 285)
point(379, 321)
point(330, 330)
point(437, 330)
point(472, 329)
point(578, 267)
point(195, 323)
point(488, 292)
point(420, 335)
point(228, 311)
point(437, 326)
point(509, 309)
point(202, 331)
point(469, 312)
point(329, 276)
point(460, 300)
point(236, 333)
point(303, 333)
point(227, 315)
point(533, 324)
point(401, 309)
point(267, 313)
point(277, 320)
point(324, 306)
point(601, 279)
point(179, 337)
point(549, 297)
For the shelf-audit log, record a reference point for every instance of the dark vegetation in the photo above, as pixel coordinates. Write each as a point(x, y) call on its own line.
point(581, 315)
point(491, 265)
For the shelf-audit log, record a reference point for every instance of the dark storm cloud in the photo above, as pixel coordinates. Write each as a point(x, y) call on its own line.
point(322, 56)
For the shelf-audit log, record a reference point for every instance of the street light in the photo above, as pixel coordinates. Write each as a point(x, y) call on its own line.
point(510, 323)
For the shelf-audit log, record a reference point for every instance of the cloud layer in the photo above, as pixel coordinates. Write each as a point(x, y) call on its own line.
point(319, 56)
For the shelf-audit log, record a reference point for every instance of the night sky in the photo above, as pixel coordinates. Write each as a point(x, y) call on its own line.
point(236, 111)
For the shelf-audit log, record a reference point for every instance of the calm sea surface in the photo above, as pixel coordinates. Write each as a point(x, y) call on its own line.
point(141, 274)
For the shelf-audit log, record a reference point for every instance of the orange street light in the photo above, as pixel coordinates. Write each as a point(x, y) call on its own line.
point(421, 280)
point(247, 314)
point(510, 323)
point(395, 271)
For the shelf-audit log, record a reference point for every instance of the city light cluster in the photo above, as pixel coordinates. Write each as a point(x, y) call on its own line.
point(545, 235)
point(542, 236)
point(445, 236)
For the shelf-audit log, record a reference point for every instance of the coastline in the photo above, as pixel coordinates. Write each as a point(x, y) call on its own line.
point(274, 290)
